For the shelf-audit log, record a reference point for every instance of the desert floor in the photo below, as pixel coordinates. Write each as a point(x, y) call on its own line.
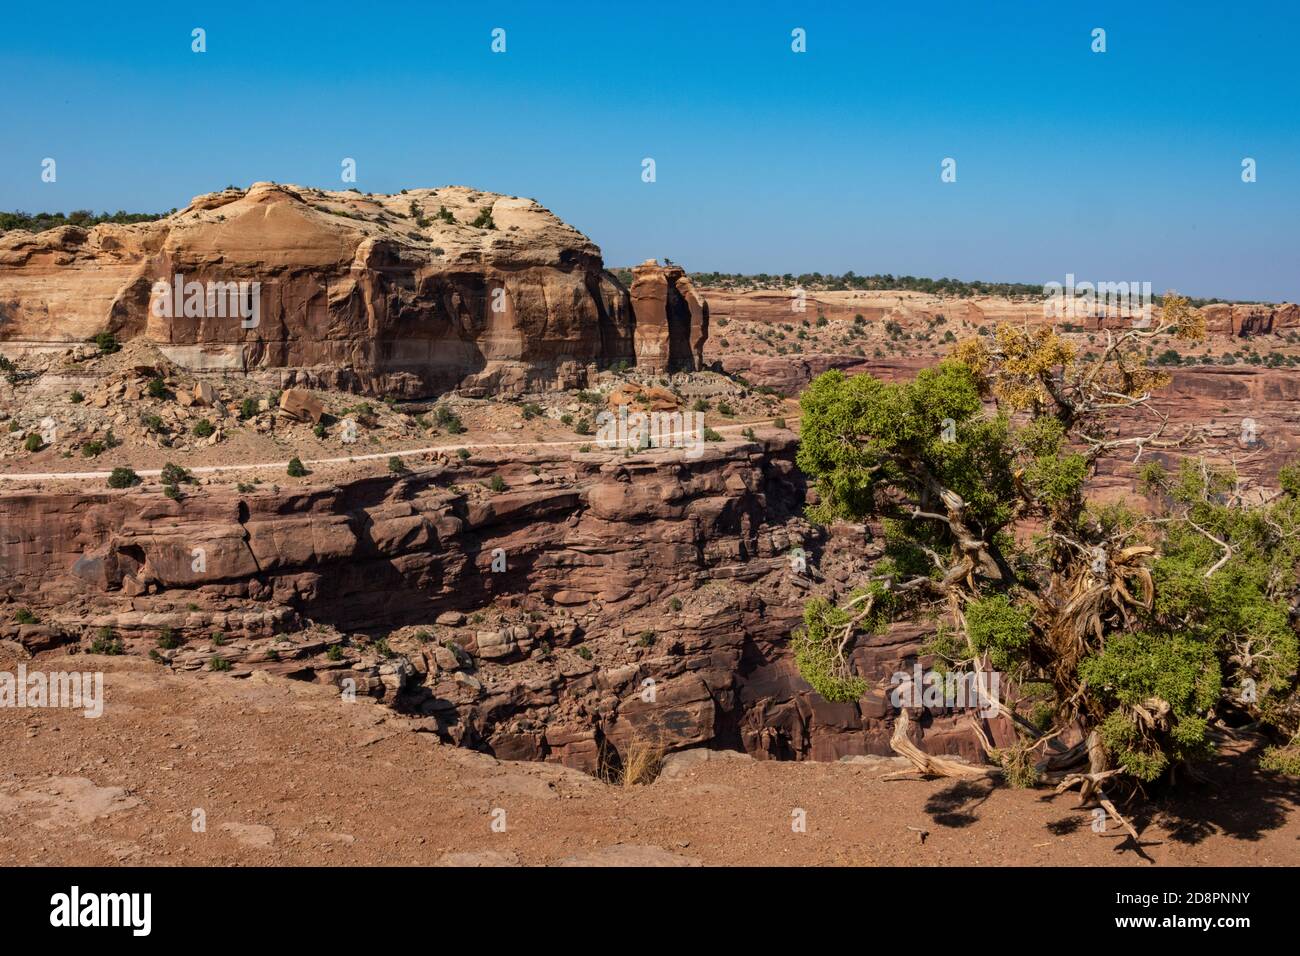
point(284, 773)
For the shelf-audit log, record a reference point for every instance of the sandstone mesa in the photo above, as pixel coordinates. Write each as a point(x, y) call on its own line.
point(403, 295)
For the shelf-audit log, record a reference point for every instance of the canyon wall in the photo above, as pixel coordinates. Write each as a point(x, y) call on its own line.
point(594, 604)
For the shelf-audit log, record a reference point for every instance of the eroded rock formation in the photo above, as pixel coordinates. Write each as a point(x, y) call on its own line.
point(404, 294)
point(672, 320)
point(536, 620)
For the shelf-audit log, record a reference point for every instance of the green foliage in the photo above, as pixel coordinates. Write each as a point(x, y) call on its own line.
point(33, 442)
point(397, 466)
point(1139, 670)
point(448, 419)
point(123, 478)
point(203, 428)
point(83, 218)
point(296, 468)
point(105, 643)
point(106, 342)
point(1282, 760)
point(175, 474)
point(497, 484)
point(1054, 477)
point(1246, 600)
point(157, 387)
point(248, 408)
point(860, 434)
point(24, 616)
point(999, 628)
point(816, 644)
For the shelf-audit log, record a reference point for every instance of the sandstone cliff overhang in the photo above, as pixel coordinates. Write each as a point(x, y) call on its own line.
point(405, 294)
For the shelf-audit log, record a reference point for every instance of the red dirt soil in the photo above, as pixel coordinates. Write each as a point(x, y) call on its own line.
point(287, 773)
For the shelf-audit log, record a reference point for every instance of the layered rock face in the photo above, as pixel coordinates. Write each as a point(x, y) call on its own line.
point(672, 320)
point(596, 604)
point(406, 295)
point(1246, 320)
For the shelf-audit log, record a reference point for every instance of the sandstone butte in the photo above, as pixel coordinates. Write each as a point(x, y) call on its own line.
point(363, 292)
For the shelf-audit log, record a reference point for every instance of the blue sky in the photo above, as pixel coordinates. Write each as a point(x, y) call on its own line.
point(1124, 165)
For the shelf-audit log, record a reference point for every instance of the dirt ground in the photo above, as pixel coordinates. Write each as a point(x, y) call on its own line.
point(285, 773)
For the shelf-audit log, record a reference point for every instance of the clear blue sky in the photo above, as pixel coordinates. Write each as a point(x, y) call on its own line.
point(1117, 166)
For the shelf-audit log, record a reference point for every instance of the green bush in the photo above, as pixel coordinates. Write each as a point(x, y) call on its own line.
point(123, 478)
point(296, 469)
point(174, 474)
point(107, 342)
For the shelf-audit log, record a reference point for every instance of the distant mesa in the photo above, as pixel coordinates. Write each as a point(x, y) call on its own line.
point(408, 294)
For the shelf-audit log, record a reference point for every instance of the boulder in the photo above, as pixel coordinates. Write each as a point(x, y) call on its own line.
point(301, 405)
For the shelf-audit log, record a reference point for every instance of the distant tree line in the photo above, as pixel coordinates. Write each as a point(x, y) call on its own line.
point(886, 282)
point(40, 221)
point(851, 281)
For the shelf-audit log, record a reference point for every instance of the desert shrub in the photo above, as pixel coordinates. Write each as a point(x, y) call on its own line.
point(203, 428)
point(173, 474)
point(106, 342)
point(296, 468)
point(123, 478)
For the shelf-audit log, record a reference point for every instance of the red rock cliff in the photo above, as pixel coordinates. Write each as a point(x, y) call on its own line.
point(405, 294)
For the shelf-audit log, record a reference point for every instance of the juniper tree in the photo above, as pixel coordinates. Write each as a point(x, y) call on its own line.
point(976, 471)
